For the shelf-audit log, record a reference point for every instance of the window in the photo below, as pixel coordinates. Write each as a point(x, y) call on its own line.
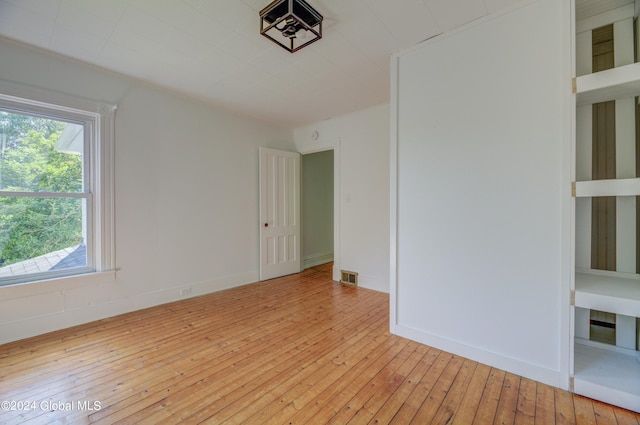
point(56, 186)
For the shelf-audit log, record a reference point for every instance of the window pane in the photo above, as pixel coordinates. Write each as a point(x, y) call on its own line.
point(39, 154)
point(40, 234)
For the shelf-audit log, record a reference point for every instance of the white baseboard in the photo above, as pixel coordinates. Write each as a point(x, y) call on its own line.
point(76, 309)
point(317, 259)
point(607, 394)
point(374, 283)
point(515, 366)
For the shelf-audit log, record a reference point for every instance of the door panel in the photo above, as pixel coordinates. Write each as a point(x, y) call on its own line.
point(279, 213)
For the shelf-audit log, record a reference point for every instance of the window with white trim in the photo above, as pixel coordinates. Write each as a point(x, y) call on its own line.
point(56, 186)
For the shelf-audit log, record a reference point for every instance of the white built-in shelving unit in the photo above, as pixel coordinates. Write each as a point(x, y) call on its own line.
point(616, 83)
point(607, 372)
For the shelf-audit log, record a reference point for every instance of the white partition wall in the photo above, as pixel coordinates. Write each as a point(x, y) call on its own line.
point(481, 130)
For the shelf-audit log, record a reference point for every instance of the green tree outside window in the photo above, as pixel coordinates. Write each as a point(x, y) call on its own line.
point(31, 226)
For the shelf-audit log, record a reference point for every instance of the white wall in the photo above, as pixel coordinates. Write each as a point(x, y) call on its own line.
point(186, 198)
point(361, 140)
point(482, 183)
point(317, 208)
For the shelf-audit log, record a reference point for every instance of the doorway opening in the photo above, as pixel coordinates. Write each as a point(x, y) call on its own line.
point(317, 208)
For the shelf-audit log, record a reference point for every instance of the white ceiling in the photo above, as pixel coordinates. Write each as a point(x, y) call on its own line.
point(586, 8)
point(211, 49)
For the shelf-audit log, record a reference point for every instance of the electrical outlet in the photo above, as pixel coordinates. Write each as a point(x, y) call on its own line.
point(185, 291)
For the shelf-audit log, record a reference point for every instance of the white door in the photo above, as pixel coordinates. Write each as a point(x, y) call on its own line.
point(279, 213)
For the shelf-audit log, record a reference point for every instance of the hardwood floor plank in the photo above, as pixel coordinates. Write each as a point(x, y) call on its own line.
point(585, 415)
point(545, 405)
point(264, 366)
point(366, 402)
point(294, 350)
point(327, 402)
point(389, 387)
point(76, 339)
point(121, 350)
point(344, 403)
point(154, 369)
point(433, 401)
point(126, 366)
point(388, 410)
point(455, 393)
point(604, 414)
point(178, 376)
point(565, 410)
point(305, 391)
point(490, 398)
point(263, 397)
point(526, 410)
point(508, 404)
point(468, 407)
point(314, 386)
point(625, 417)
point(409, 409)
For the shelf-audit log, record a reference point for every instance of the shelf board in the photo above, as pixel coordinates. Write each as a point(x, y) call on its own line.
point(616, 83)
point(608, 376)
point(608, 291)
point(611, 187)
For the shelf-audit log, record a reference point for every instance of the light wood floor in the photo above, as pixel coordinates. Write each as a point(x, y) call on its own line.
point(295, 350)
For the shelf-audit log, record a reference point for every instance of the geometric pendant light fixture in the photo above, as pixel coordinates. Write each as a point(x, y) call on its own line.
point(291, 24)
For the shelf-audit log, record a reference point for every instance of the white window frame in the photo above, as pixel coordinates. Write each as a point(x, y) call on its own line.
point(98, 120)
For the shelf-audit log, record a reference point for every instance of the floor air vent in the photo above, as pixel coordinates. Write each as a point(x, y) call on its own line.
point(350, 278)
